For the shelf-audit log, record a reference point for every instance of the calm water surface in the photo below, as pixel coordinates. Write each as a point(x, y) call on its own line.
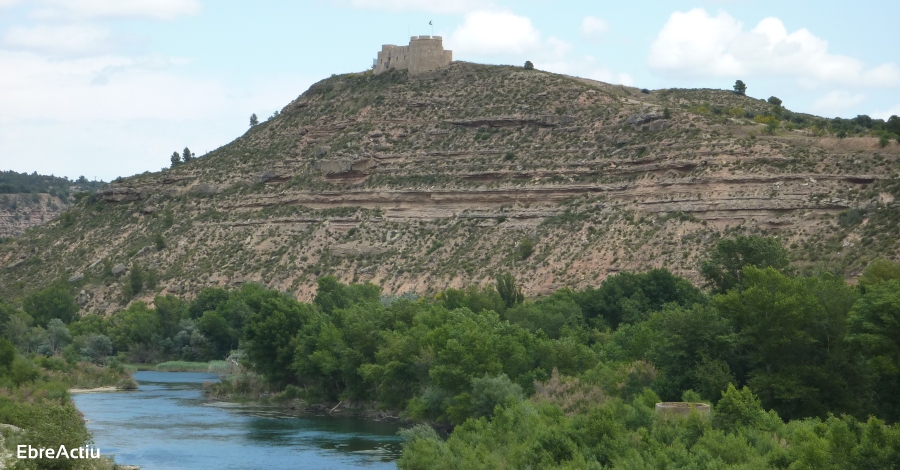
point(167, 425)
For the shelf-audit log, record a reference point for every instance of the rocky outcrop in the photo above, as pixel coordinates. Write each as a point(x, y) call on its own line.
point(422, 183)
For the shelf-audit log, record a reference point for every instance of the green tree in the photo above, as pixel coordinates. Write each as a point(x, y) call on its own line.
point(529, 65)
point(269, 335)
point(740, 88)
point(489, 392)
point(209, 299)
point(58, 336)
point(723, 269)
point(135, 282)
point(220, 334)
point(332, 295)
point(508, 290)
point(253, 120)
point(874, 331)
point(738, 409)
point(52, 302)
point(134, 327)
point(879, 270)
point(551, 314)
point(170, 310)
point(631, 298)
point(691, 348)
point(790, 341)
point(159, 241)
point(525, 248)
point(175, 159)
point(774, 101)
point(186, 155)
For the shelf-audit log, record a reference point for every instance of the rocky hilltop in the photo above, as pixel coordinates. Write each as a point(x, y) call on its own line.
point(417, 183)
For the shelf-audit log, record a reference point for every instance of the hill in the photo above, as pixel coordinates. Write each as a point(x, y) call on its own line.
point(417, 183)
point(27, 200)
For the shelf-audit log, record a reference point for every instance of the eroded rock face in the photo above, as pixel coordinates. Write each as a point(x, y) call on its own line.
point(20, 212)
point(119, 269)
point(78, 277)
point(422, 183)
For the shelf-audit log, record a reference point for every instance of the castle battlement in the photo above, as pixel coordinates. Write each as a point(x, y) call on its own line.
point(424, 53)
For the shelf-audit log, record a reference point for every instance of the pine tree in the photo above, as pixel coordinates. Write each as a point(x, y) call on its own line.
point(740, 88)
point(187, 155)
point(176, 159)
point(253, 120)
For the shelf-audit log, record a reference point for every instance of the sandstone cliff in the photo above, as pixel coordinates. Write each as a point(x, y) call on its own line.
point(443, 179)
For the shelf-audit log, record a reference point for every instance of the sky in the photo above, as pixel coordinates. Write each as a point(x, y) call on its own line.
point(108, 88)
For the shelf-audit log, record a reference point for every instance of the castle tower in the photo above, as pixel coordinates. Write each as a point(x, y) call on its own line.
point(424, 53)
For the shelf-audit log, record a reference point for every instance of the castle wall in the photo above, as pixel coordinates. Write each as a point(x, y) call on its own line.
point(424, 53)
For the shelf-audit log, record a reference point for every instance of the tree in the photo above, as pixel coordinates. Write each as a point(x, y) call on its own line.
point(529, 65)
point(893, 124)
point(159, 241)
point(135, 283)
point(58, 335)
point(508, 290)
point(631, 298)
point(187, 155)
point(53, 302)
point(879, 270)
point(269, 336)
point(724, 268)
point(740, 88)
point(789, 338)
point(525, 248)
point(772, 99)
point(170, 310)
point(873, 330)
point(253, 120)
point(176, 159)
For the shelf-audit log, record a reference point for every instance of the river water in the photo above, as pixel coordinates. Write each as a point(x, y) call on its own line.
point(166, 425)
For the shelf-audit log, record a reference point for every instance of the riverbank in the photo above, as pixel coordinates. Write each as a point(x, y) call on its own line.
point(168, 424)
point(213, 367)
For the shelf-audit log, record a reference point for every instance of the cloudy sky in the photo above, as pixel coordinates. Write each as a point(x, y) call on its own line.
point(107, 88)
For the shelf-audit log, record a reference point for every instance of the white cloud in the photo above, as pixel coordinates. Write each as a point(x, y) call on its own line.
point(153, 9)
point(68, 39)
point(696, 44)
point(433, 6)
point(593, 29)
point(895, 111)
point(9, 3)
point(504, 37)
point(36, 87)
point(834, 102)
point(492, 33)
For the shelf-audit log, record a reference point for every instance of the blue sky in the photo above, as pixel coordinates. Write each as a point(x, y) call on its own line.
point(107, 88)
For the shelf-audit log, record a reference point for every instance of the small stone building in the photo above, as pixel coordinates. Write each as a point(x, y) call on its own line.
point(424, 53)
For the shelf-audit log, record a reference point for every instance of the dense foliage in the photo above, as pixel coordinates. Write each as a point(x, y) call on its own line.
point(568, 379)
point(24, 183)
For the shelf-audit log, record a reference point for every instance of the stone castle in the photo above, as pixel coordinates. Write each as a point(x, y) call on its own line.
point(424, 53)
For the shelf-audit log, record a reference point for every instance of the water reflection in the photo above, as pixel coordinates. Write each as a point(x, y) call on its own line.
point(167, 425)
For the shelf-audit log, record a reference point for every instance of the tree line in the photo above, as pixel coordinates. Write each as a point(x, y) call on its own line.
point(774, 353)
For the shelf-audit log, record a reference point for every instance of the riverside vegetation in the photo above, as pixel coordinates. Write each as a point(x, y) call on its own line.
point(800, 369)
point(538, 239)
point(36, 408)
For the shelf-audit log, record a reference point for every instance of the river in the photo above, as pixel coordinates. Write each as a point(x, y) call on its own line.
point(166, 425)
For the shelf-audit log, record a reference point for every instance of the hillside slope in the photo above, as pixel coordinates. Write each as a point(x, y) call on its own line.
point(444, 179)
